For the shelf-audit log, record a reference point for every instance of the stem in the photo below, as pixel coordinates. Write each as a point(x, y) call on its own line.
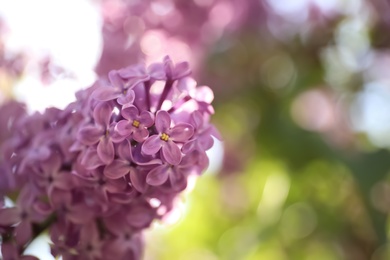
point(179, 103)
point(167, 88)
point(101, 228)
point(147, 94)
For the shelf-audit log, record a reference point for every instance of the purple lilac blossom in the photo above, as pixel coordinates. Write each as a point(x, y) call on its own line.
point(135, 123)
point(167, 138)
point(99, 172)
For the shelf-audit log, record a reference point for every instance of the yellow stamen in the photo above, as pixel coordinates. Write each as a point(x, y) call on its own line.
point(136, 123)
point(164, 137)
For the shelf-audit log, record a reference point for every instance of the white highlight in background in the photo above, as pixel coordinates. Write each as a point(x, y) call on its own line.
point(68, 32)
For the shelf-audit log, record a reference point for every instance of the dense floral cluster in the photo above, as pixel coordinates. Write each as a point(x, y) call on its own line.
point(100, 171)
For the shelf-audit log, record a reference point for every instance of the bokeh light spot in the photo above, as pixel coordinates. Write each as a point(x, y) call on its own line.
point(312, 110)
point(152, 42)
point(298, 221)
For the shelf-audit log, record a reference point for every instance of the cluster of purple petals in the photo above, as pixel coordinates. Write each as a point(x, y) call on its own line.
point(97, 173)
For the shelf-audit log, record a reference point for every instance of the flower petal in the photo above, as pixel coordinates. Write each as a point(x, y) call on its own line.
point(123, 197)
point(9, 251)
point(140, 158)
point(156, 71)
point(80, 214)
point(90, 232)
point(64, 181)
point(134, 75)
point(152, 145)
point(158, 175)
point(181, 70)
point(138, 180)
point(206, 142)
point(129, 112)
point(42, 211)
point(124, 128)
point(140, 134)
point(105, 150)
point(117, 169)
point(163, 121)
point(89, 135)
point(116, 80)
point(204, 94)
point(214, 132)
point(102, 113)
point(23, 232)
point(52, 164)
point(178, 180)
point(146, 118)
point(59, 198)
point(124, 151)
point(203, 161)
point(115, 185)
point(9, 216)
point(127, 98)
point(171, 153)
point(91, 160)
point(189, 146)
point(137, 71)
point(197, 119)
point(181, 132)
point(168, 67)
point(106, 93)
point(116, 137)
point(26, 196)
point(140, 216)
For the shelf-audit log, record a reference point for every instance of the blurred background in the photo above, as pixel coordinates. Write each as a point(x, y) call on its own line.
point(302, 99)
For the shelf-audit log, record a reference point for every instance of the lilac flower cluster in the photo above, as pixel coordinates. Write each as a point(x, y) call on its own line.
point(100, 171)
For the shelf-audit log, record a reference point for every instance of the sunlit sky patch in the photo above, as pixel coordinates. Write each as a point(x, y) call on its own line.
point(69, 32)
point(371, 112)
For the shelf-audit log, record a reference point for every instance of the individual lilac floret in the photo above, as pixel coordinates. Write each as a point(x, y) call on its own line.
point(136, 123)
point(50, 176)
point(175, 174)
point(202, 140)
point(118, 90)
point(167, 138)
point(178, 71)
point(23, 214)
point(134, 74)
point(126, 163)
point(102, 133)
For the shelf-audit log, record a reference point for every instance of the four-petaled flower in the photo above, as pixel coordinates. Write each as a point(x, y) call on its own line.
point(136, 123)
point(202, 140)
point(126, 163)
point(176, 174)
point(167, 138)
point(102, 132)
point(118, 90)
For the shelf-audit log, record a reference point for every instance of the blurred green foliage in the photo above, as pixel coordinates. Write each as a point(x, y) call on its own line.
point(287, 189)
